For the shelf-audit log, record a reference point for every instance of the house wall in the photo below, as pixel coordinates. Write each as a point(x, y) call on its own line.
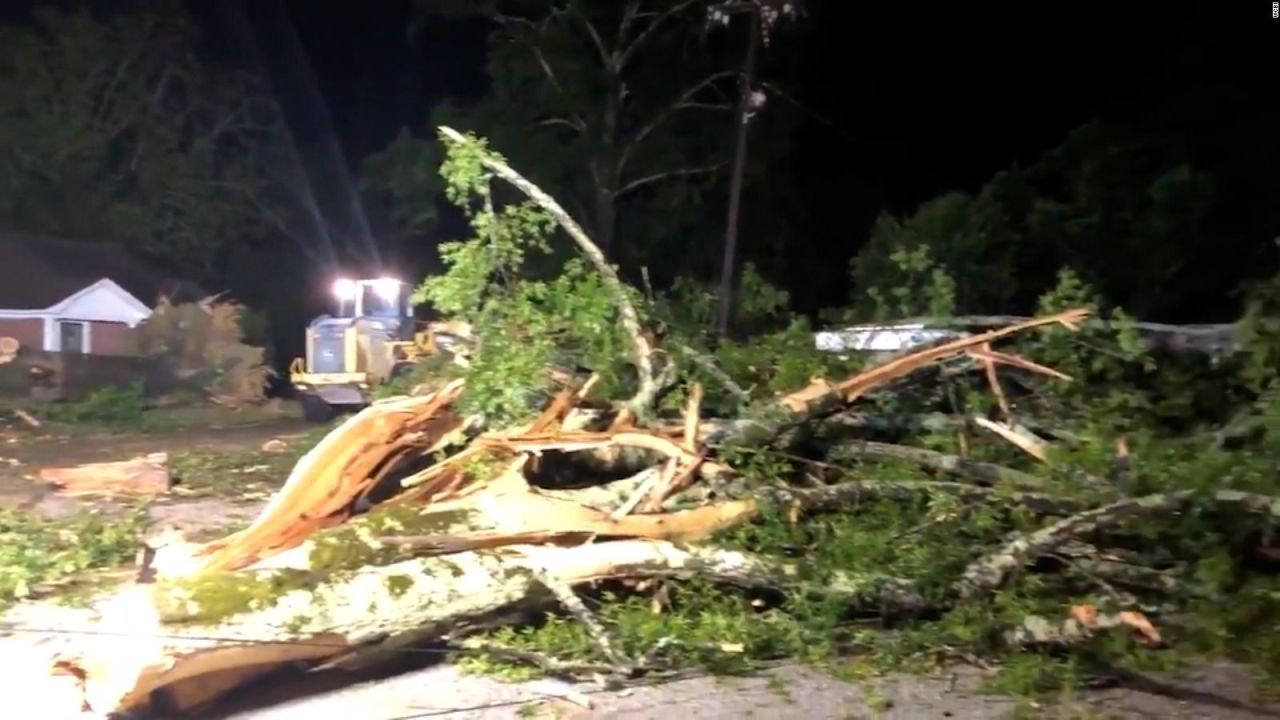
point(28, 331)
point(112, 338)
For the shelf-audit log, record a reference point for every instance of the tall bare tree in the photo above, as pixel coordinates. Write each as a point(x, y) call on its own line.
point(611, 104)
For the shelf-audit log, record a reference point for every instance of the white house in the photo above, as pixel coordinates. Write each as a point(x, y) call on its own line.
point(65, 295)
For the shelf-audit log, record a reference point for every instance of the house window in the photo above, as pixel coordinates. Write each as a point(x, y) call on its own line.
point(72, 336)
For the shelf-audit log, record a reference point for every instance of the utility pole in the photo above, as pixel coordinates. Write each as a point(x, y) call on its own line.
point(745, 104)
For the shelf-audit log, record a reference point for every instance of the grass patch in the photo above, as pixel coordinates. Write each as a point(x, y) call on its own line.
point(205, 473)
point(127, 409)
point(108, 405)
point(223, 473)
point(159, 421)
point(35, 553)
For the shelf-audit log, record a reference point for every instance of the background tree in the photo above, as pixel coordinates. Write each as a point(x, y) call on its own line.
point(1139, 213)
point(621, 109)
point(112, 130)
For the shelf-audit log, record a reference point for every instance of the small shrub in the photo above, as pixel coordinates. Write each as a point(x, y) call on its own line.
point(105, 405)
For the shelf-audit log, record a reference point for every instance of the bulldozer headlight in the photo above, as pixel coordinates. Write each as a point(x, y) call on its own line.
point(344, 289)
point(387, 288)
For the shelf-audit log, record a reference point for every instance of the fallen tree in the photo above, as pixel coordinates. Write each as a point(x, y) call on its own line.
point(311, 579)
point(420, 520)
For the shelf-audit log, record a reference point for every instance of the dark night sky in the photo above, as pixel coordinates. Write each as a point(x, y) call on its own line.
point(924, 101)
point(925, 98)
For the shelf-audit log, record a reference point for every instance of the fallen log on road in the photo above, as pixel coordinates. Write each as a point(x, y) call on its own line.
point(194, 637)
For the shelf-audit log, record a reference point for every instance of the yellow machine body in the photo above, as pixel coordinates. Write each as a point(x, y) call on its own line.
point(372, 339)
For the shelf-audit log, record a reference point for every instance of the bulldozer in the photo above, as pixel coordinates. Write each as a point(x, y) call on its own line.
point(371, 339)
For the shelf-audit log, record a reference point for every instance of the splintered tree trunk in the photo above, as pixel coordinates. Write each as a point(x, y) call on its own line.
point(193, 639)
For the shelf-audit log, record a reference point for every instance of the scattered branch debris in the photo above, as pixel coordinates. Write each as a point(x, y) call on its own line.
point(312, 551)
point(27, 417)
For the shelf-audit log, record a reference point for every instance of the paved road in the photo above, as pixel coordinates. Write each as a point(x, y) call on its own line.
point(441, 691)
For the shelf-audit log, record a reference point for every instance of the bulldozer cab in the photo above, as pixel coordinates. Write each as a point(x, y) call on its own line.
point(383, 298)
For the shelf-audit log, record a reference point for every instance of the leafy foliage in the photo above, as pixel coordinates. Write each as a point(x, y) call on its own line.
point(524, 320)
point(776, 355)
point(910, 267)
point(912, 285)
point(1131, 209)
point(35, 553)
point(1260, 333)
point(404, 178)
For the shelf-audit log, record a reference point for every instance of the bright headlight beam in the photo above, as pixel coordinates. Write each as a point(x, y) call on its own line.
point(387, 288)
point(344, 289)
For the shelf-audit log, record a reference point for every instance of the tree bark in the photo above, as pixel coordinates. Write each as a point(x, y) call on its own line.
point(982, 472)
point(192, 640)
point(988, 573)
point(606, 219)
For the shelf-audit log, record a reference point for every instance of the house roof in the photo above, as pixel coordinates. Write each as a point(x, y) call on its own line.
point(37, 272)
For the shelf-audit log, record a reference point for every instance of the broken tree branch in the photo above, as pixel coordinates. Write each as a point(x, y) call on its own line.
point(982, 472)
point(988, 573)
point(640, 182)
point(709, 366)
point(1204, 337)
point(765, 421)
point(323, 487)
point(642, 352)
point(631, 145)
